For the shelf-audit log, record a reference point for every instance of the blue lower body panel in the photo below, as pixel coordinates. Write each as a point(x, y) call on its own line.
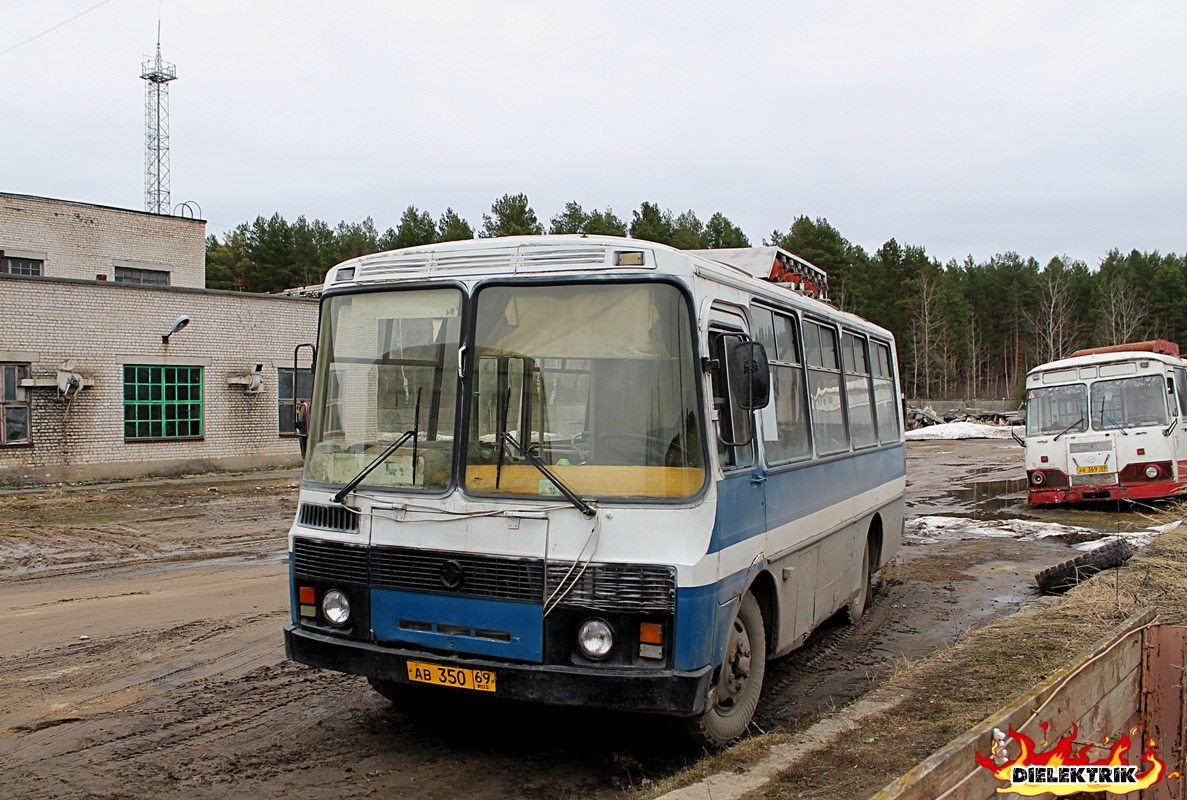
point(456, 624)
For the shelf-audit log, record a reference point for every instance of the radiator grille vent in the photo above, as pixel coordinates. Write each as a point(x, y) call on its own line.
point(481, 576)
point(329, 518)
point(1090, 447)
point(617, 587)
point(1094, 479)
point(331, 561)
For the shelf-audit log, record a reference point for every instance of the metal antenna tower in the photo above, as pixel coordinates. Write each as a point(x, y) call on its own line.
point(157, 73)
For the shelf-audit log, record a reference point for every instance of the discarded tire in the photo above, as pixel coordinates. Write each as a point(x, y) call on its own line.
point(1061, 577)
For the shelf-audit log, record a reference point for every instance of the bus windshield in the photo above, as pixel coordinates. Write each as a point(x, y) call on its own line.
point(1054, 409)
point(1129, 402)
point(596, 380)
point(387, 367)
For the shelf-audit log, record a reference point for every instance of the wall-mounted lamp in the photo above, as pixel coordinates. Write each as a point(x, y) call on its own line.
point(178, 324)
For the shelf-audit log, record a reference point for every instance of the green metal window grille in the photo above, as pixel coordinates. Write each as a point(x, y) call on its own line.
point(162, 402)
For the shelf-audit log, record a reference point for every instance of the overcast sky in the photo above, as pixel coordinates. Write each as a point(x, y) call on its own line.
point(1041, 127)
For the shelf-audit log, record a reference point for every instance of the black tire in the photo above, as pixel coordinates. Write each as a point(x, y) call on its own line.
point(857, 605)
point(740, 683)
point(1061, 577)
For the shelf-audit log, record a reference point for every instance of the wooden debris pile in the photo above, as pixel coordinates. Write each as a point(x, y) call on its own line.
point(924, 416)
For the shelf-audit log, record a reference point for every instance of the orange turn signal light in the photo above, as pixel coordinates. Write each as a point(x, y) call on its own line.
point(1043, 459)
point(305, 595)
point(651, 633)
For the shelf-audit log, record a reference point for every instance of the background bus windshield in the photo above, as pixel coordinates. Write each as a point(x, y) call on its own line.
point(1054, 409)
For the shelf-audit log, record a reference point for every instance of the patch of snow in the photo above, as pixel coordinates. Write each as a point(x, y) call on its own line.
point(957, 528)
point(962, 430)
point(941, 528)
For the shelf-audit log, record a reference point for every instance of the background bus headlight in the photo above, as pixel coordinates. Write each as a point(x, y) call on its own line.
point(335, 607)
point(595, 639)
point(1037, 478)
point(1151, 472)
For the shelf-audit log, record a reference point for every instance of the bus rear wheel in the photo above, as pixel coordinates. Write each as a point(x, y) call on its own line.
point(740, 683)
point(857, 606)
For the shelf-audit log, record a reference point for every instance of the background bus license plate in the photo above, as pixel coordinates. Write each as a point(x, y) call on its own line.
point(1101, 468)
point(458, 677)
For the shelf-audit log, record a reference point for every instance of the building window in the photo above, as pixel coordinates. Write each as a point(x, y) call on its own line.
point(285, 391)
point(11, 265)
point(14, 404)
point(162, 403)
point(148, 277)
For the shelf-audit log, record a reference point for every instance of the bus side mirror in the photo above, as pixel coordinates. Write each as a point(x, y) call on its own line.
point(301, 424)
point(750, 375)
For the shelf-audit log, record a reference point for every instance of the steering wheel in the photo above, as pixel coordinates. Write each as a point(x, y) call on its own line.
point(616, 443)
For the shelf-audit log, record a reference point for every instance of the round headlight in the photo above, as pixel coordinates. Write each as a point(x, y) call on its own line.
point(1037, 478)
point(335, 607)
point(1151, 472)
point(595, 639)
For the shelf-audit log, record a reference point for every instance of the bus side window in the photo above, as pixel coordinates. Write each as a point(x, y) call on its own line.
point(1181, 386)
point(733, 423)
point(785, 432)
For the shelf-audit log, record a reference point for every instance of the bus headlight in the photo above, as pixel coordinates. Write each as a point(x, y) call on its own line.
point(1037, 478)
point(595, 639)
point(1152, 472)
point(335, 607)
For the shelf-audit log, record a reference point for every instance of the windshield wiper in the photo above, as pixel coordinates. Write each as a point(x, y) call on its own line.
point(413, 434)
point(1075, 424)
point(1105, 415)
point(585, 508)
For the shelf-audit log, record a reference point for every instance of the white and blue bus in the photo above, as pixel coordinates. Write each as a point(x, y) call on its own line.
point(589, 471)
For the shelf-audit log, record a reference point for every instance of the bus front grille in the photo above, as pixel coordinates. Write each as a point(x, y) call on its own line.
point(1094, 479)
point(1090, 447)
point(457, 573)
point(614, 587)
point(330, 561)
point(329, 518)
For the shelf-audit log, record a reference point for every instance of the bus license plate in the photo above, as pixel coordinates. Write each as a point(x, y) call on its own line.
point(480, 680)
point(1083, 470)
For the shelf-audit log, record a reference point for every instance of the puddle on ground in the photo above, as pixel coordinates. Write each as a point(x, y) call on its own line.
point(997, 508)
point(992, 500)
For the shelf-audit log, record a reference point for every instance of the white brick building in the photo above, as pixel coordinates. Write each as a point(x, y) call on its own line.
point(60, 239)
point(88, 388)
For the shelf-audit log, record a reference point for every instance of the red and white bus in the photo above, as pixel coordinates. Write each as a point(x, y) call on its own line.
point(1108, 423)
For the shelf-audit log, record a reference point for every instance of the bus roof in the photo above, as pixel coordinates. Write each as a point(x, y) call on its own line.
point(1152, 346)
point(1104, 358)
point(769, 272)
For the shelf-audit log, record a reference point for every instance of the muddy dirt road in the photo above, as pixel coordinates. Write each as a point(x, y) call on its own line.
point(141, 651)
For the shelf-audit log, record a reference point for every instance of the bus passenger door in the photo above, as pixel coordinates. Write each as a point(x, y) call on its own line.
point(741, 493)
point(1178, 427)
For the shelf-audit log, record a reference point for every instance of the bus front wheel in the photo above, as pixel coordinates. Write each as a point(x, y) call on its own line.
point(740, 683)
